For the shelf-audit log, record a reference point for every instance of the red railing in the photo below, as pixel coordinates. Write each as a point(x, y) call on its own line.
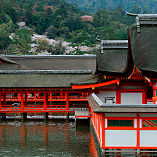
point(56, 107)
point(34, 107)
point(9, 107)
point(41, 98)
point(77, 97)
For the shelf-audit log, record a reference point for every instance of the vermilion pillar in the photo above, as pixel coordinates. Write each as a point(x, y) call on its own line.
point(0, 102)
point(22, 103)
point(144, 95)
point(50, 95)
point(67, 100)
point(25, 99)
point(4, 99)
point(118, 95)
point(103, 130)
point(45, 100)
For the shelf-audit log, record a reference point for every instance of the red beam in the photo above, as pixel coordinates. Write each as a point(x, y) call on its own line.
point(83, 116)
point(95, 85)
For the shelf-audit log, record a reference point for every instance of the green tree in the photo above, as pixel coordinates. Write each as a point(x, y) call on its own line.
point(52, 32)
point(22, 41)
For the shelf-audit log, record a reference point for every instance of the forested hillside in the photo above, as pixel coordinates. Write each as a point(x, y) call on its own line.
point(58, 20)
point(141, 6)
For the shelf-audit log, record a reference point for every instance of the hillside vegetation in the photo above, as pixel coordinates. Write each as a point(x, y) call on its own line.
point(58, 20)
point(141, 5)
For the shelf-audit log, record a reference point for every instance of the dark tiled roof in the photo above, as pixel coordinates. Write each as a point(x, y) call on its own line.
point(6, 60)
point(118, 108)
point(89, 80)
point(40, 80)
point(144, 49)
point(8, 66)
point(114, 58)
point(60, 62)
point(45, 71)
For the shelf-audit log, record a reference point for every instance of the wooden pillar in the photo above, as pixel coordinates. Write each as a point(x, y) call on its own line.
point(23, 116)
point(138, 131)
point(0, 102)
point(103, 130)
point(118, 95)
point(144, 95)
point(67, 100)
point(45, 100)
point(3, 116)
point(25, 99)
point(154, 95)
point(67, 115)
point(22, 103)
point(46, 115)
point(4, 99)
point(51, 95)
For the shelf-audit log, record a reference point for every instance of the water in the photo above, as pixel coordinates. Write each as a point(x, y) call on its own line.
point(53, 138)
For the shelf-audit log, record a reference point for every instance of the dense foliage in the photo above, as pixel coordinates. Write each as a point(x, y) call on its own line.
point(93, 5)
point(57, 19)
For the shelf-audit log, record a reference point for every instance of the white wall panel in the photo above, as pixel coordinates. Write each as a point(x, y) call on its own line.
point(131, 98)
point(103, 94)
point(121, 138)
point(148, 138)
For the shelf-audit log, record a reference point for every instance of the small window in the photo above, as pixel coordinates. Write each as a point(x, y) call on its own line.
point(149, 123)
point(120, 123)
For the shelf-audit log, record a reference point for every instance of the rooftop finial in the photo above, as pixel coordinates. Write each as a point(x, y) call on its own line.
point(131, 14)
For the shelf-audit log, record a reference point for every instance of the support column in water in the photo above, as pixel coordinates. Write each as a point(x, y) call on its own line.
point(23, 116)
point(46, 115)
point(67, 115)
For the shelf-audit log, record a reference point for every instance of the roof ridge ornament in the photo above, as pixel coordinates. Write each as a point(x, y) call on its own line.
point(113, 44)
point(144, 19)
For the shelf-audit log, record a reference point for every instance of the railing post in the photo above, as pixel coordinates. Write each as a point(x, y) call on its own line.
point(22, 104)
point(67, 100)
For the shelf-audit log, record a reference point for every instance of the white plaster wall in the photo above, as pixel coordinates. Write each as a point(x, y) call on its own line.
point(131, 98)
point(148, 138)
point(122, 138)
point(103, 94)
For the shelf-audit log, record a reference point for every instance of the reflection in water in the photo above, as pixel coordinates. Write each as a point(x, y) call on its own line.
point(52, 138)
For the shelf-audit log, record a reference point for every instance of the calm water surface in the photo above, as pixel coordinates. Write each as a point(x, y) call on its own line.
point(52, 138)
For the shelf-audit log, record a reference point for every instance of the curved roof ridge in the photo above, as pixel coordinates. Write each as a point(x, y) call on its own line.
point(5, 59)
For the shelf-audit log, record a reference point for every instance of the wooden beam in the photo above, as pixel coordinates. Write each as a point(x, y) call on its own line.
point(95, 85)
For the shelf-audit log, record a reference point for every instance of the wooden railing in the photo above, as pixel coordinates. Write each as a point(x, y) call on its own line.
point(150, 123)
point(41, 98)
point(34, 107)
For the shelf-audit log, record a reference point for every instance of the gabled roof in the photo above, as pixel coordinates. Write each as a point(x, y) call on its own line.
point(114, 58)
point(6, 60)
point(40, 79)
point(45, 71)
point(54, 62)
point(144, 45)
